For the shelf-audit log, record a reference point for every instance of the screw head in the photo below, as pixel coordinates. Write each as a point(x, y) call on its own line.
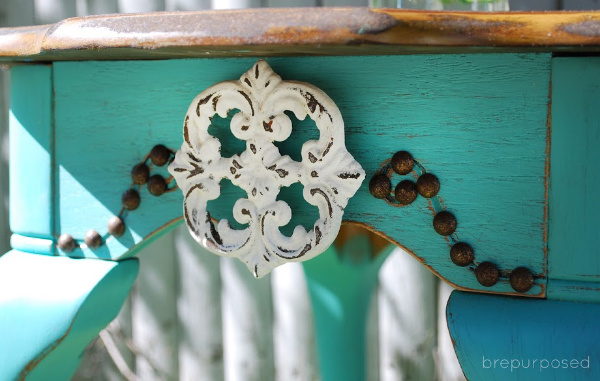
point(92, 239)
point(116, 226)
point(405, 192)
point(444, 223)
point(157, 185)
point(131, 199)
point(66, 243)
point(428, 185)
point(462, 254)
point(487, 274)
point(521, 279)
point(160, 155)
point(402, 162)
point(140, 173)
point(380, 186)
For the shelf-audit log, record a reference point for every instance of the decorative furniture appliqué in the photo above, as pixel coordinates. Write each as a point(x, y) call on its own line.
point(328, 172)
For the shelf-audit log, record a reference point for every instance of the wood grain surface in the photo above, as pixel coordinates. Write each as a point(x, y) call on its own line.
point(316, 31)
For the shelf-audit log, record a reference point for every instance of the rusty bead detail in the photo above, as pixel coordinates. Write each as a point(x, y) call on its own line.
point(66, 243)
point(160, 155)
point(462, 254)
point(444, 223)
point(487, 274)
point(521, 279)
point(140, 174)
point(380, 186)
point(131, 199)
point(116, 226)
point(92, 239)
point(402, 162)
point(157, 185)
point(428, 185)
point(405, 192)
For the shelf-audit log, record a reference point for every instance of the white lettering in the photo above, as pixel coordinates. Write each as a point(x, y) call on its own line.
point(488, 362)
point(513, 366)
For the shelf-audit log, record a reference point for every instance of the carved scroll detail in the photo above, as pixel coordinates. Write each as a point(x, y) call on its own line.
point(328, 172)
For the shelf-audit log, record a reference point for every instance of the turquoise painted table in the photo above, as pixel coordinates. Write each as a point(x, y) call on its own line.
point(477, 135)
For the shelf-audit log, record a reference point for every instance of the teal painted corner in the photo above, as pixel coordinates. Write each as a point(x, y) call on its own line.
point(500, 337)
point(574, 205)
point(52, 307)
point(340, 290)
point(31, 141)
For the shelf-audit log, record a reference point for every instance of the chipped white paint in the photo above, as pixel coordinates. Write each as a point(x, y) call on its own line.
point(329, 174)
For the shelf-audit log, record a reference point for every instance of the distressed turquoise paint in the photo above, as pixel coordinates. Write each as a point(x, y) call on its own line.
point(340, 291)
point(477, 121)
point(499, 327)
point(52, 307)
point(31, 147)
point(574, 232)
point(573, 290)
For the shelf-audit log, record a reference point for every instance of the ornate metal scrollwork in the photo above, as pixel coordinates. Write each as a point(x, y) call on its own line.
point(328, 172)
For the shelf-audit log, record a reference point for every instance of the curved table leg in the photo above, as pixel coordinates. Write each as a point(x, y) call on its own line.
point(505, 338)
point(341, 284)
point(52, 307)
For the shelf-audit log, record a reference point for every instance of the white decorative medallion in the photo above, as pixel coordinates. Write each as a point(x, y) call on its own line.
point(329, 174)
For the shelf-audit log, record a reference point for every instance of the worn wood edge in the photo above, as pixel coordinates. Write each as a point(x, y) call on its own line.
point(542, 285)
point(281, 31)
point(448, 316)
point(547, 164)
point(177, 221)
point(576, 291)
point(279, 50)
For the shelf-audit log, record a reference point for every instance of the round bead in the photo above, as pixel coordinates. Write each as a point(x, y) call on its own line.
point(157, 185)
point(140, 173)
point(402, 162)
point(462, 254)
point(444, 223)
point(160, 155)
point(380, 186)
point(405, 192)
point(92, 239)
point(487, 274)
point(428, 185)
point(116, 226)
point(66, 243)
point(131, 199)
point(521, 279)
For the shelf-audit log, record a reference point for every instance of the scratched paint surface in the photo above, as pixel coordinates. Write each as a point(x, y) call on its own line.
point(575, 177)
point(477, 121)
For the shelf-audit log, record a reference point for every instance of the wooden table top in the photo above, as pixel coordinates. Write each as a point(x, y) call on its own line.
point(302, 31)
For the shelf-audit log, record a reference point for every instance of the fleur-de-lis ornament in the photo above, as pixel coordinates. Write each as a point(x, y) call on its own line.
point(328, 172)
